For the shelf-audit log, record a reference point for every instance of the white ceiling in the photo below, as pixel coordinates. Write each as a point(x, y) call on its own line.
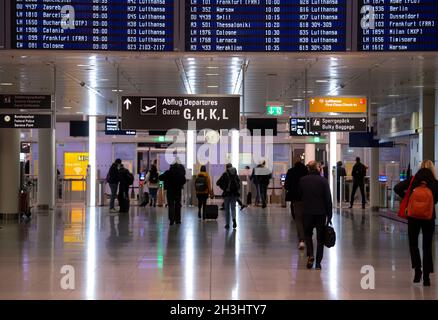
point(387, 78)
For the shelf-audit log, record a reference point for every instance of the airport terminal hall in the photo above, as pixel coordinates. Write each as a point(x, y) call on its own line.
point(206, 150)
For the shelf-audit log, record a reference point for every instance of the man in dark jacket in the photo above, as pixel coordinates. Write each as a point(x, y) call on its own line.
point(229, 183)
point(174, 180)
point(112, 179)
point(263, 176)
point(340, 173)
point(125, 180)
point(318, 207)
point(292, 187)
point(359, 173)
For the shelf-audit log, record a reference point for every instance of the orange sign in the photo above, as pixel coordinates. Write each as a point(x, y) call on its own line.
point(338, 105)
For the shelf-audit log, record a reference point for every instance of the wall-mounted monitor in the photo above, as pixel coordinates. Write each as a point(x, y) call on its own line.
point(263, 126)
point(79, 129)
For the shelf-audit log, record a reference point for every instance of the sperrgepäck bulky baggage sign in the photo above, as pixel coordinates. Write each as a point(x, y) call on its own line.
point(25, 101)
point(165, 113)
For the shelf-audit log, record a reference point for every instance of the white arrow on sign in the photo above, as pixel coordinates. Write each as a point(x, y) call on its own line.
point(127, 103)
point(363, 120)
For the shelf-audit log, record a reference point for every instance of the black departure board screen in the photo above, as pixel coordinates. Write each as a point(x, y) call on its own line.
point(113, 25)
point(265, 25)
point(398, 25)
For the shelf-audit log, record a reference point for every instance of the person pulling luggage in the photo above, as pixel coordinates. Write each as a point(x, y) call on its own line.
point(229, 183)
point(203, 190)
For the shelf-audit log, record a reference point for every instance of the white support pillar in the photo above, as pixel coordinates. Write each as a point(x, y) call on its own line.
point(9, 172)
point(46, 169)
point(333, 150)
point(92, 160)
point(309, 152)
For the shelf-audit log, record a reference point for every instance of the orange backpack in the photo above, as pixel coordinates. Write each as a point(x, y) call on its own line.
point(421, 203)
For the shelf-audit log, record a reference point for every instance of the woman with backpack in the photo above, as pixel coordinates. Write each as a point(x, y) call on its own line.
point(422, 191)
point(153, 184)
point(203, 190)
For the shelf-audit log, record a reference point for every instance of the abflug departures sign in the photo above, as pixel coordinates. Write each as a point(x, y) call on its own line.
point(165, 113)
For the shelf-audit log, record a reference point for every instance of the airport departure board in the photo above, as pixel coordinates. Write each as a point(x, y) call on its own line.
point(113, 25)
point(398, 25)
point(265, 25)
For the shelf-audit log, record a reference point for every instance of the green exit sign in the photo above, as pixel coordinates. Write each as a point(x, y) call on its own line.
point(160, 139)
point(275, 110)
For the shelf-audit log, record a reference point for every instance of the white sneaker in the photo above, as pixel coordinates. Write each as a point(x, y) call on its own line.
point(302, 245)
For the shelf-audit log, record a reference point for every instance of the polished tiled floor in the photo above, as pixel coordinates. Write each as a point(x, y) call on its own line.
point(138, 256)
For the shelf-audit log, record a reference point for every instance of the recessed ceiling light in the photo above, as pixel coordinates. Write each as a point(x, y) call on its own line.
point(418, 87)
point(212, 74)
point(104, 79)
point(212, 67)
point(67, 107)
point(309, 91)
point(297, 100)
point(212, 86)
point(85, 65)
point(6, 84)
point(79, 112)
point(322, 81)
point(115, 90)
point(393, 95)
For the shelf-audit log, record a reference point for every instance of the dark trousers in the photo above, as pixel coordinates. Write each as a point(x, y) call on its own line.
point(311, 222)
point(123, 198)
point(428, 229)
point(202, 202)
point(174, 203)
point(361, 186)
point(153, 195)
point(263, 193)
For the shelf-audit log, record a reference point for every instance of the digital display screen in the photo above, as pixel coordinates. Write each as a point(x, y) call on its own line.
point(398, 25)
point(108, 25)
point(112, 128)
point(266, 25)
point(299, 128)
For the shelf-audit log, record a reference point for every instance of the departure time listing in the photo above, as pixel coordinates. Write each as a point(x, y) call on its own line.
point(113, 25)
point(265, 25)
point(398, 25)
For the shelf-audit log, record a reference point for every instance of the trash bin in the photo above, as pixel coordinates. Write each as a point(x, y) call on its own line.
point(383, 195)
point(101, 193)
point(244, 192)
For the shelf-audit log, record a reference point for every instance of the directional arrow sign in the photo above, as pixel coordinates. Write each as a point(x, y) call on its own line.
point(127, 103)
point(338, 124)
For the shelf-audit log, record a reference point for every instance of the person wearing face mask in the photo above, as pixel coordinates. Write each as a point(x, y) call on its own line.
point(112, 179)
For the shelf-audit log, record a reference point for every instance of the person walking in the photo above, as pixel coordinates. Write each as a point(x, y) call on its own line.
point(229, 183)
point(264, 177)
point(174, 180)
point(422, 191)
point(152, 182)
point(340, 173)
point(112, 178)
point(256, 183)
point(203, 190)
point(359, 173)
point(318, 206)
point(292, 187)
point(126, 179)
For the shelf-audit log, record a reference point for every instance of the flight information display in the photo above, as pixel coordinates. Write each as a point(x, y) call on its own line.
point(266, 25)
point(113, 25)
point(398, 25)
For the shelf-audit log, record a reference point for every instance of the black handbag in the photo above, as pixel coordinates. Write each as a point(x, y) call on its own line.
point(329, 236)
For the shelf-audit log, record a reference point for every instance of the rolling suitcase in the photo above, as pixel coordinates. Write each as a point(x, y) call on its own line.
point(24, 203)
point(124, 202)
point(211, 212)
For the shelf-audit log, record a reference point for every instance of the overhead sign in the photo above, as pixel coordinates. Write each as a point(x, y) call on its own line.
point(338, 105)
point(338, 124)
point(165, 113)
point(299, 128)
point(112, 128)
point(40, 102)
point(275, 110)
point(26, 121)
